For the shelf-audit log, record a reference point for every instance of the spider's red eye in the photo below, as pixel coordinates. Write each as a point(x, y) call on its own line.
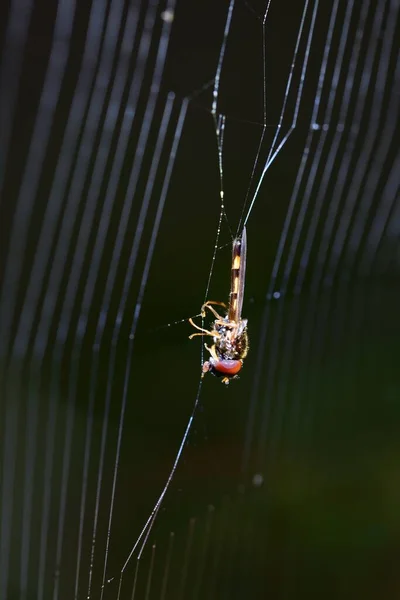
point(228, 367)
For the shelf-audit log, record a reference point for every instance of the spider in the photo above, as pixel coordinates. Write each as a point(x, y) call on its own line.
point(230, 341)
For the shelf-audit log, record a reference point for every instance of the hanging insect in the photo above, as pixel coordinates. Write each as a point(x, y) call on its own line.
point(229, 333)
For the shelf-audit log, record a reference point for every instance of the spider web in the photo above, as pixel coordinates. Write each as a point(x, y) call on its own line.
point(136, 139)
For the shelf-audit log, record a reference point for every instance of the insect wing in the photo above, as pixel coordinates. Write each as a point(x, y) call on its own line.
point(239, 252)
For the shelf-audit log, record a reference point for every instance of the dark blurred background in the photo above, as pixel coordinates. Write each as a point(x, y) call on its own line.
point(289, 484)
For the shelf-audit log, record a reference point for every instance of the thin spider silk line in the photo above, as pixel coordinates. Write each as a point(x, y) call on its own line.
point(307, 149)
point(307, 342)
point(27, 194)
point(375, 152)
point(219, 132)
point(147, 194)
point(280, 329)
point(390, 195)
point(83, 97)
point(68, 304)
point(260, 354)
point(40, 341)
point(306, 169)
point(84, 235)
point(264, 43)
point(136, 314)
point(220, 127)
point(308, 337)
point(164, 582)
point(156, 224)
point(150, 521)
point(283, 239)
point(345, 169)
point(384, 264)
point(220, 124)
point(255, 163)
point(146, 530)
point(11, 66)
point(48, 101)
point(142, 144)
point(221, 58)
point(272, 154)
point(32, 296)
point(104, 225)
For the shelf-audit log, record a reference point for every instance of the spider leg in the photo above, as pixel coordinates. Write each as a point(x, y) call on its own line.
point(216, 302)
point(195, 334)
point(207, 365)
point(203, 331)
point(214, 312)
point(212, 352)
point(226, 324)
